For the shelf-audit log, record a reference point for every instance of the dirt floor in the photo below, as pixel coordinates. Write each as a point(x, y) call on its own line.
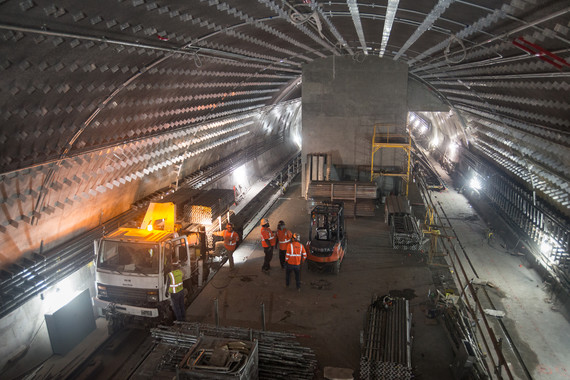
point(329, 312)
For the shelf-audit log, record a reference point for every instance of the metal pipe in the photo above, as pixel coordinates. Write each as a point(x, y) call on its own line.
point(216, 314)
point(263, 317)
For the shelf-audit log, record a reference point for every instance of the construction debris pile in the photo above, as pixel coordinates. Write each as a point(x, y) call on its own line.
point(386, 344)
point(280, 356)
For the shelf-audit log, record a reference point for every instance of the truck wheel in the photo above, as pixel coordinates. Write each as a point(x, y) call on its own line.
point(114, 325)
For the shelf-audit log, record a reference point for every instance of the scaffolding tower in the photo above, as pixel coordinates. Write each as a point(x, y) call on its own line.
point(382, 139)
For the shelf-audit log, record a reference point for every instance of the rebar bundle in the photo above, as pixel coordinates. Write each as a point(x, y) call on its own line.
point(280, 354)
point(405, 232)
point(386, 348)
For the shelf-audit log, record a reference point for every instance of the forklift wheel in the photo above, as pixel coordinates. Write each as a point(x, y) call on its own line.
point(336, 267)
point(312, 266)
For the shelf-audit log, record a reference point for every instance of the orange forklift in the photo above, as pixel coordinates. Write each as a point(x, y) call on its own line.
point(327, 237)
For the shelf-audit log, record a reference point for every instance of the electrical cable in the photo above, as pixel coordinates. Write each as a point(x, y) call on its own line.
point(446, 50)
point(359, 56)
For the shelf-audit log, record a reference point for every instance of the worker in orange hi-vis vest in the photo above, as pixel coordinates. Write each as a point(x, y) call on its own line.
point(229, 243)
point(268, 240)
point(295, 256)
point(284, 237)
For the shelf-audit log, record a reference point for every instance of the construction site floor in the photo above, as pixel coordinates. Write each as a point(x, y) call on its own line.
point(328, 314)
point(329, 311)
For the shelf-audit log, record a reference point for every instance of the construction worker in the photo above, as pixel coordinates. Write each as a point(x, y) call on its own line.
point(295, 256)
point(229, 243)
point(175, 289)
point(284, 237)
point(268, 241)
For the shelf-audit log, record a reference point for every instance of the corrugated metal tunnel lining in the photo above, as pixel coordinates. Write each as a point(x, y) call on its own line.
point(81, 79)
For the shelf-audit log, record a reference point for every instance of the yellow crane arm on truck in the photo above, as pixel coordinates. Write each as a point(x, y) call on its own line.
point(160, 216)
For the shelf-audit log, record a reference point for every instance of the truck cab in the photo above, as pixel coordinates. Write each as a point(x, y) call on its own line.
point(132, 265)
point(327, 237)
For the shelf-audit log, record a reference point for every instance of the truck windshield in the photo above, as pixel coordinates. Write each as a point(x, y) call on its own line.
point(128, 257)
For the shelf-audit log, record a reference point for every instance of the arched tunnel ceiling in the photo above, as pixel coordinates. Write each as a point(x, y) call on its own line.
point(79, 77)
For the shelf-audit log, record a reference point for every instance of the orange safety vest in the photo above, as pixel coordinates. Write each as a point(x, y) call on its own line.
point(267, 234)
point(284, 237)
point(230, 240)
point(295, 253)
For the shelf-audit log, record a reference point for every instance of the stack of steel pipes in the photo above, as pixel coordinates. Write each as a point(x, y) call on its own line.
point(405, 232)
point(280, 354)
point(386, 345)
point(342, 190)
point(359, 197)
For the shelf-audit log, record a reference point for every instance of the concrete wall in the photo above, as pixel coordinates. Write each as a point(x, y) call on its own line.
point(342, 101)
point(82, 191)
point(23, 333)
point(423, 99)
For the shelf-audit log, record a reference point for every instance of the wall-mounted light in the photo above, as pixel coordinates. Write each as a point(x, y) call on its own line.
point(388, 21)
point(545, 247)
point(297, 139)
point(240, 176)
point(435, 142)
point(475, 183)
point(60, 296)
point(452, 150)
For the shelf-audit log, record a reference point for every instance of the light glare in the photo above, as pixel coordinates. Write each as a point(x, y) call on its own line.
point(475, 183)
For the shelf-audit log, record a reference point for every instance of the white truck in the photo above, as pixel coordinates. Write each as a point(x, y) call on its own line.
point(132, 265)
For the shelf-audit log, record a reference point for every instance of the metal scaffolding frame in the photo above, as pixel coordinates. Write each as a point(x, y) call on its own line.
point(387, 140)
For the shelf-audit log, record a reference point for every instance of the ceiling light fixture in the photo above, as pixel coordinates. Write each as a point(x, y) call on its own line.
point(388, 21)
point(353, 7)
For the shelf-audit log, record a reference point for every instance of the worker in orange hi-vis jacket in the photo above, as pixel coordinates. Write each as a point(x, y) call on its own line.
point(295, 256)
point(230, 241)
point(284, 237)
point(268, 240)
